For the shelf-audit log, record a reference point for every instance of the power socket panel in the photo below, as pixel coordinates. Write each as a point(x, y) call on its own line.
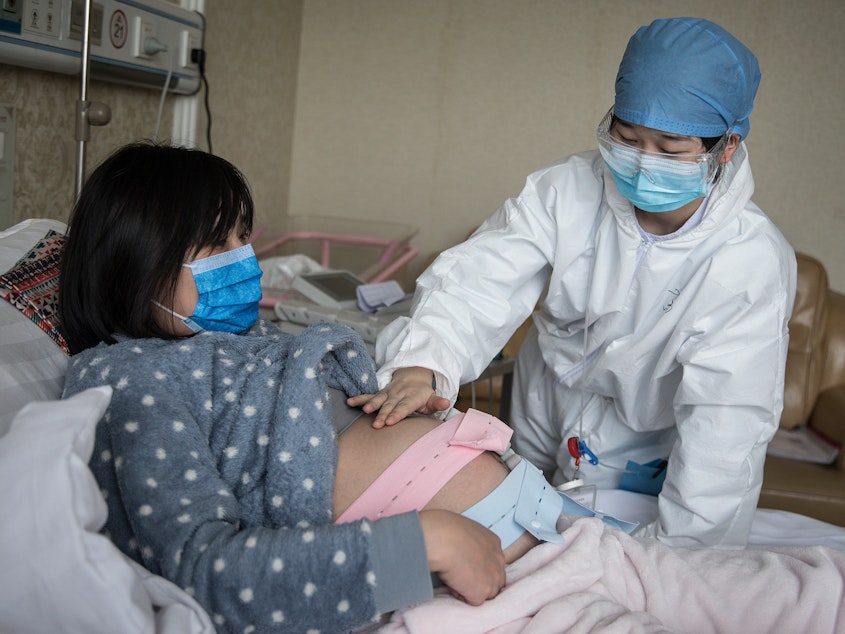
point(47, 35)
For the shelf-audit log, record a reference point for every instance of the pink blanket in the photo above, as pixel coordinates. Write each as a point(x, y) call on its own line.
point(600, 579)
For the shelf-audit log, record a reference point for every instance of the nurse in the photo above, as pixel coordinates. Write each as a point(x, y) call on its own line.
point(666, 292)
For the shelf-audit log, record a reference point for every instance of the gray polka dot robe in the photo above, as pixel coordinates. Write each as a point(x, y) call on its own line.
point(217, 458)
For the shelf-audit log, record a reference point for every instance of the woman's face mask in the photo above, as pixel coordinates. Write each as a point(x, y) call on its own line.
point(654, 181)
point(229, 287)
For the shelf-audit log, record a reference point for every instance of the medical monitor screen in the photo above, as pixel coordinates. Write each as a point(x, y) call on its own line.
point(338, 285)
point(335, 286)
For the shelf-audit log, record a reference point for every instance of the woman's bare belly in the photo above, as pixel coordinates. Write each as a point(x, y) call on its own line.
point(364, 453)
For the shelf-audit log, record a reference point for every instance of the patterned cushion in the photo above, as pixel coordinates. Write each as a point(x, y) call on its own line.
point(32, 286)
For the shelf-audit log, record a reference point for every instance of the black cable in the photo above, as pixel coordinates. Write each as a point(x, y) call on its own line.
point(207, 111)
point(198, 57)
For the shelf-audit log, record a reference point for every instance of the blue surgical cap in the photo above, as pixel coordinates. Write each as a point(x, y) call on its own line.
point(687, 76)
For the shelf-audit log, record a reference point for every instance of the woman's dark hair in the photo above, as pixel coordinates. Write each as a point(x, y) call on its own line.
point(709, 142)
point(142, 213)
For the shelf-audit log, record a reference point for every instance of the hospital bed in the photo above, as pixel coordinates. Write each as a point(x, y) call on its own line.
point(57, 573)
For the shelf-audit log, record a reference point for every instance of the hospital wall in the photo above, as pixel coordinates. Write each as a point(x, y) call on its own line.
point(434, 112)
point(45, 125)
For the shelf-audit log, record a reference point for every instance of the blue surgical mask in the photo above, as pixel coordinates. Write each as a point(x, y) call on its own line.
point(229, 287)
point(658, 191)
point(657, 182)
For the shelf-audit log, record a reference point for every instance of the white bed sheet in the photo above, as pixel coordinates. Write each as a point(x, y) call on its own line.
point(770, 528)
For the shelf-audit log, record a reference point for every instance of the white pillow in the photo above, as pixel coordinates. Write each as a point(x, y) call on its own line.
point(32, 366)
point(57, 573)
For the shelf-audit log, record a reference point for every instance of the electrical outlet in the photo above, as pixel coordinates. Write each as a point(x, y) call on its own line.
point(188, 40)
point(138, 42)
point(77, 22)
point(43, 17)
point(142, 30)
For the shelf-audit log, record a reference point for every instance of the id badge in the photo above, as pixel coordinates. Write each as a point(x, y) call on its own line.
point(584, 494)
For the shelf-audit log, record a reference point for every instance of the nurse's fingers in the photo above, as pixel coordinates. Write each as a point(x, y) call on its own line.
point(391, 413)
point(410, 390)
point(394, 411)
point(364, 400)
point(390, 409)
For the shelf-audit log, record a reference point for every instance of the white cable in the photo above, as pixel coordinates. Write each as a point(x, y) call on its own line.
point(163, 95)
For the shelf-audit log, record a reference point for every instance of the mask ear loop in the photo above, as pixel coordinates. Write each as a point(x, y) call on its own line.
point(190, 323)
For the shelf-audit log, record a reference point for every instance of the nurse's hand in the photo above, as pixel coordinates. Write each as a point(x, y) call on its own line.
point(409, 391)
point(466, 556)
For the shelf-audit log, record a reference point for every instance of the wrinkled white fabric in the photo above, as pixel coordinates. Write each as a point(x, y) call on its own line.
point(685, 346)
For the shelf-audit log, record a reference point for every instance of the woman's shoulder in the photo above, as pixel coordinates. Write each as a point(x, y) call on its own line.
point(134, 359)
point(569, 191)
point(127, 348)
point(141, 348)
point(125, 359)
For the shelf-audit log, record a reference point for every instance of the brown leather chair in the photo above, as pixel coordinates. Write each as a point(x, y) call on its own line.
point(814, 395)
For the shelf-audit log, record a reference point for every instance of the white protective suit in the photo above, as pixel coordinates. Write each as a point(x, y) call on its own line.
point(686, 338)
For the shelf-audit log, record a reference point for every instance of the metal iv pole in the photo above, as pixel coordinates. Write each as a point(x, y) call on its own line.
point(88, 113)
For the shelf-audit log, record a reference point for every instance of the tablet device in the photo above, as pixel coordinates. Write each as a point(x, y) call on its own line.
point(336, 289)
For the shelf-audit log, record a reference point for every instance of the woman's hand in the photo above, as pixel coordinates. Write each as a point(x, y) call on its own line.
point(410, 390)
point(466, 556)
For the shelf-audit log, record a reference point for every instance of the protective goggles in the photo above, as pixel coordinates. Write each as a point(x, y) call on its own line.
point(629, 161)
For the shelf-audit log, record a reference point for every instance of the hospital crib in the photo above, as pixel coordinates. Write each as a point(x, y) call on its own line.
point(374, 251)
